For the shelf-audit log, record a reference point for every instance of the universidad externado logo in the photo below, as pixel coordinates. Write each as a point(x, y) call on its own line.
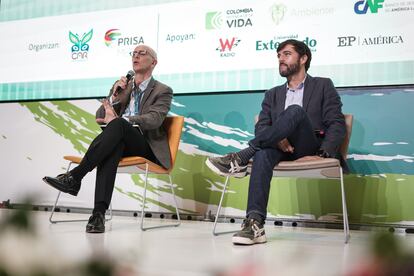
point(80, 47)
point(362, 6)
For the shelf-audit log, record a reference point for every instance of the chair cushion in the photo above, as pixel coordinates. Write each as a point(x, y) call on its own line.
point(73, 159)
point(128, 161)
point(307, 165)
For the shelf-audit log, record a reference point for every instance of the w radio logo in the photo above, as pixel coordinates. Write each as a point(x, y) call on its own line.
point(227, 45)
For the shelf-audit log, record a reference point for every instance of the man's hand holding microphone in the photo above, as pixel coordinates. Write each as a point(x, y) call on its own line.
point(111, 101)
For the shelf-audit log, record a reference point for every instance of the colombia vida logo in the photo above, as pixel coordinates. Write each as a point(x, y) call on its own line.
point(214, 20)
point(226, 47)
point(80, 47)
point(238, 18)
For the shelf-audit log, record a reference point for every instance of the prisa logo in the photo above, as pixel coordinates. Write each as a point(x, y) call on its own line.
point(110, 36)
point(361, 7)
point(113, 38)
point(227, 45)
point(80, 45)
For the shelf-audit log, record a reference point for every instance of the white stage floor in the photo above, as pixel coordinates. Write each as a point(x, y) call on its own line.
point(191, 249)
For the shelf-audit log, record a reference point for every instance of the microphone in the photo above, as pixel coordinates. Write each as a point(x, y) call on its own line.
point(129, 76)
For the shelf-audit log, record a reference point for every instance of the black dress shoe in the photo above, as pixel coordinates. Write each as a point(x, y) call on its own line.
point(64, 183)
point(96, 223)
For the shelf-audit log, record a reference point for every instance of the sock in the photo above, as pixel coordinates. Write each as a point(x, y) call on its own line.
point(246, 154)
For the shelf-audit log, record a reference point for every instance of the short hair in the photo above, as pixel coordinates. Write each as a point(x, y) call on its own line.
point(151, 51)
point(300, 47)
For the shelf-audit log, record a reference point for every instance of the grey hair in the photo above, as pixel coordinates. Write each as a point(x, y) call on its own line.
point(150, 51)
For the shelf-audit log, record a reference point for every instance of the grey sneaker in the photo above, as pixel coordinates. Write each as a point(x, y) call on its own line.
point(229, 164)
point(252, 232)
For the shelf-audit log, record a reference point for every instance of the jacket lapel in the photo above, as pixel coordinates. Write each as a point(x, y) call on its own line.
point(280, 99)
point(307, 91)
point(125, 97)
point(147, 93)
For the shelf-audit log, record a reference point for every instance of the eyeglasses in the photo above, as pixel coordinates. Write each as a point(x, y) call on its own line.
point(140, 53)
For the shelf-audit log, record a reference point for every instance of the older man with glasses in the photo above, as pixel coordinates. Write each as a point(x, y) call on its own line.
point(132, 115)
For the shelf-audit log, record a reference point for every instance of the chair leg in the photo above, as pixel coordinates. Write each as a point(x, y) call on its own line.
point(72, 220)
point(344, 209)
point(219, 209)
point(175, 201)
point(143, 205)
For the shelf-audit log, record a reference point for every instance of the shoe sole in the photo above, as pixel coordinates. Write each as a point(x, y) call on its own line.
point(95, 231)
point(247, 241)
point(51, 185)
point(217, 171)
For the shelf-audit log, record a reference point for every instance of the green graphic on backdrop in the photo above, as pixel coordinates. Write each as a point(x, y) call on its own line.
point(371, 199)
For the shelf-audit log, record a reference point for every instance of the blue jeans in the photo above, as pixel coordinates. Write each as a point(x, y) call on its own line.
point(293, 124)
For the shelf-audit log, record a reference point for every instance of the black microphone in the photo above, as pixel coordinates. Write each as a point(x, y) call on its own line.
point(129, 76)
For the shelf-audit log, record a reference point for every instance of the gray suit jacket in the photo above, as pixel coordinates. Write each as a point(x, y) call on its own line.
point(322, 104)
point(153, 109)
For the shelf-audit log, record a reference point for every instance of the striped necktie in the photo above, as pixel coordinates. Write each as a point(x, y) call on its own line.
point(137, 100)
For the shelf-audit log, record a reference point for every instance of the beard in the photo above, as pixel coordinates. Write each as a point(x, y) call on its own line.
point(290, 69)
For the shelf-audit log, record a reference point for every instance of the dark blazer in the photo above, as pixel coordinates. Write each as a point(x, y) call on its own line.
point(322, 104)
point(153, 109)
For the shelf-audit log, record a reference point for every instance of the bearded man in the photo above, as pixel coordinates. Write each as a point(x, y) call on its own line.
point(299, 119)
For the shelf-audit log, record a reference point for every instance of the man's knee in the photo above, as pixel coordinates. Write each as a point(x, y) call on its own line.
point(117, 122)
point(295, 113)
point(295, 110)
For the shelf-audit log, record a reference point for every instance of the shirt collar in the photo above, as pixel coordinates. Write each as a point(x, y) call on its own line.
point(300, 86)
point(143, 85)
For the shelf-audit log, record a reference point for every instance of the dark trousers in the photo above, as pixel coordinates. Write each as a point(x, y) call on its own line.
point(293, 124)
point(117, 140)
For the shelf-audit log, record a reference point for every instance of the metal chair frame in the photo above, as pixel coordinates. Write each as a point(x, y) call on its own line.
point(311, 172)
point(73, 220)
point(140, 165)
point(146, 171)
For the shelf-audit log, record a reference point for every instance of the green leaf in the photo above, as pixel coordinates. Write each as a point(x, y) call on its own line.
point(73, 38)
point(86, 38)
